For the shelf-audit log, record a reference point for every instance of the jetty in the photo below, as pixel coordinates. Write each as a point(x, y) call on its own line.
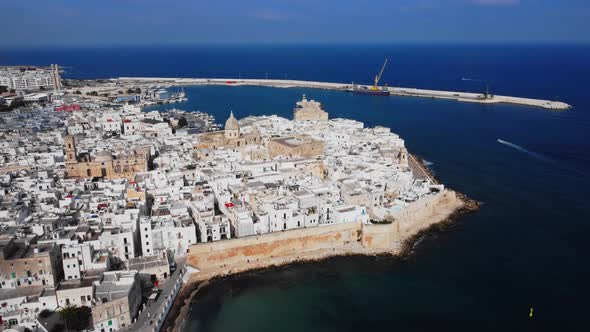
point(395, 91)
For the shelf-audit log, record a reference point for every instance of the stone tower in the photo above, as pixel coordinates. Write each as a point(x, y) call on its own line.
point(403, 157)
point(232, 127)
point(70, 147)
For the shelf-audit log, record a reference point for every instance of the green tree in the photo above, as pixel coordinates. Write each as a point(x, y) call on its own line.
point(3, 89)
point(16, 104)
point(182, 122)
point(58, 328)
point(116, 264)
point(45, 313)
point(76, 318)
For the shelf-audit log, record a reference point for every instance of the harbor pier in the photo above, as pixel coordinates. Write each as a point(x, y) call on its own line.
point(397, 91)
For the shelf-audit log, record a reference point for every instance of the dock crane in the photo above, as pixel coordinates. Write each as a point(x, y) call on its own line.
point(371, 90)
point(378, 77)
point(486, 94)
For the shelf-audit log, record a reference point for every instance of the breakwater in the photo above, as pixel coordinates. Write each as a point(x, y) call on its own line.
point(396, 91)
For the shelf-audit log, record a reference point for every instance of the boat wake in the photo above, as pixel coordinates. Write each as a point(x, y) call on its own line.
point(521, 149)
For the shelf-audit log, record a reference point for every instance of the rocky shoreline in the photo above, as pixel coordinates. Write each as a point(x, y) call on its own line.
point(181, 306)
point(469, 206)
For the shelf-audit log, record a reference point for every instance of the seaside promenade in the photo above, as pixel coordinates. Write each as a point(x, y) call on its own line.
point(396, 91)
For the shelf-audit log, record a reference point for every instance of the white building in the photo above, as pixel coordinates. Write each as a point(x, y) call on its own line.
point(79, 258)
point(119, 242)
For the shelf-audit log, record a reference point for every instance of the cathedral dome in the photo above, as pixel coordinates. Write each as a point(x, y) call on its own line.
point(232, 123)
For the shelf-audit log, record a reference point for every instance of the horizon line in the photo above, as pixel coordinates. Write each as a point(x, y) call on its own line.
point(305, 43)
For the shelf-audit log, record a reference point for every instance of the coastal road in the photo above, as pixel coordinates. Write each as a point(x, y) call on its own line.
point(147, 320)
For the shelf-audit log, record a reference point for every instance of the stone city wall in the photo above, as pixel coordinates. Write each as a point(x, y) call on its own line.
point(259, 249)
point(414, 218)
point(240, 254)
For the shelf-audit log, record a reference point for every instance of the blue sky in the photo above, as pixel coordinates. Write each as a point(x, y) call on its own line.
point(153, 22)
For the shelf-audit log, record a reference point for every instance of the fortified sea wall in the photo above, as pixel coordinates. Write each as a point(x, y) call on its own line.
point(416, 217)
point(241, 254)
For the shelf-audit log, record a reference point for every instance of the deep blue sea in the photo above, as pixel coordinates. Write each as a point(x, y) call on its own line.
point(526, 248)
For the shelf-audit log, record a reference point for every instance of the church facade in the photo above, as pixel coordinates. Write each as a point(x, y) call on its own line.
point(104, 164)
